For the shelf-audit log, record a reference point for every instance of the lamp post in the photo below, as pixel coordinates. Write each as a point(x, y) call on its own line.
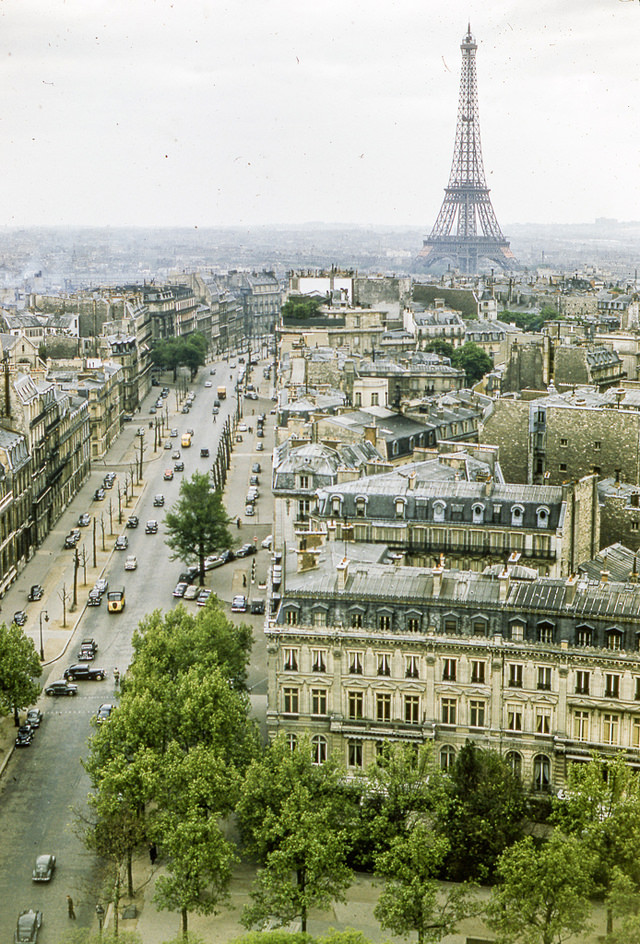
point(46, 619)
point(100, 914)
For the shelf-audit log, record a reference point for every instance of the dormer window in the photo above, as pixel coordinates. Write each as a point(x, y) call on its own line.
point(361, 506)
point(438, 510)
point(542, 516)
point(517, 515)
point(478, 513)
point(400, 507)
point(336, 504)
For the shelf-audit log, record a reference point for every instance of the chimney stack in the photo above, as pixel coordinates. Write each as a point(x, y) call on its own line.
point(437, 572)
point(505, 582)
point(570, 585)
point(343, 573)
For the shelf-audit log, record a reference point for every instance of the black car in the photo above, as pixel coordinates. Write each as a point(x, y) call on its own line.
point(44, 868)
point(178, 467)
point(99, 494)
point(24, 735)
point(257, 606)
point(132, 521)
point(27, 927)
point(204, 453)
point(35, 593)
point(227, 556)
point(84, 520)
point(20, 618)
point(84, 672)
point(72, 538)
point(34, 717)
point(246, 550)
point(189, 575)
point(85, 654)
point(61, 687)
point(94, 598)
point(89, 643)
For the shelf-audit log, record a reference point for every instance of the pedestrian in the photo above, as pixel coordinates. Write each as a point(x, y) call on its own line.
point(238, 523)
point(244, 580)
point(70, 908)
point(153, 852)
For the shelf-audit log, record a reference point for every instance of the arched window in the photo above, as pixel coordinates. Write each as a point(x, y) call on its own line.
point(542, 516)
point(447, 757)
point(336, 504)
point(584, 636)
point(478, 513)
point(545, 631)
point(517, 515)
point(514, 761)
point(438, 510)
point(541, 772)
point(361, 506)
point(615, 639)
point(318, 749)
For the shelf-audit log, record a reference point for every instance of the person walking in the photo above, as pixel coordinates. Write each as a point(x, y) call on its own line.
point(153, 853)
point(70, 908)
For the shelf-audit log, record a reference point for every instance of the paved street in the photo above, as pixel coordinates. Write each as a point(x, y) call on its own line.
point(44, 785)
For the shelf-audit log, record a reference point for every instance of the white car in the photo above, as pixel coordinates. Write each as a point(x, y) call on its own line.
point(208, 383)
point(268, 541)
point(131, 562)
point(242, 428)
point(191, 592)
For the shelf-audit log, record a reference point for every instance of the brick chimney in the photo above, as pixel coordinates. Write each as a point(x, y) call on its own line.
point(371, 435)
point(307, 560)
point(570, 585)
point(437, 572)
point(505, 582)
point(343, 573)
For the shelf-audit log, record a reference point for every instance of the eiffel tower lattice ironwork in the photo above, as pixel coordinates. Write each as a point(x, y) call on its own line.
point(466, 209)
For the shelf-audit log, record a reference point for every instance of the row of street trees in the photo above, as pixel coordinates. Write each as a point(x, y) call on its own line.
point(171, 353)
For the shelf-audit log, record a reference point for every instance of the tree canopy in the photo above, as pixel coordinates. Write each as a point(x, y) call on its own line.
point(471, 358)
point(19, 666)
point(197, 524)
point(171, 353)
point(302, 307)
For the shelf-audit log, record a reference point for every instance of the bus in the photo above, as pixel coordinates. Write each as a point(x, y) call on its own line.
point(186, 440)
point(115, 601)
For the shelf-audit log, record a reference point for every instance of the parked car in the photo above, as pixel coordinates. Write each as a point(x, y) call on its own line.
point(84, 519)
point(239, 604)
point(87, 673)
point(20, 618)
point(210, 563)
point(173, 433)
point(251, 395)
point(109, 479)
point(102, 584)
point(259, 446)
point(44, 868)
point(249, 511)
point(158, 501)
point(61, 687)
point(151, 526)
point(191, 592)
point(94, 598)
point(35, 593)
point(257, 607)
point(256, 468)
point(34, 717)
point(72, 538)
point(133, 521)
point(189, 575)
point(207, 383)
point(260, 432)
point(27, 927)
point(186, 408)
point(122, 543)
point(242, 427)
point(215, 410)
point(180, 589)
point(131, 562)
point(227, 556)
point(99, 494)
point(167, 444)
point(104, 713)
point(254, 480)
point(203, 596)
point(212, 371)
point(267, 542)
point(24, 736)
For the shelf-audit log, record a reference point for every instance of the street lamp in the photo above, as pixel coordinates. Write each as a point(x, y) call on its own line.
point(100, 914)
point(46, 619)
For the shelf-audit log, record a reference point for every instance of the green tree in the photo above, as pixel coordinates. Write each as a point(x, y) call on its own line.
point(484, 813)
point(439, 346)
point(543, 895)
point(19, 665)
point(293, 815)
point(199, 861)
point(623, 902)
point(197, 525)
point(473, 360)
point(412, 900)
point(302, 307)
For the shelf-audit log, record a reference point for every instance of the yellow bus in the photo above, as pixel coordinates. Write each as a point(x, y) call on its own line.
point(115, 601)
point(186, 440)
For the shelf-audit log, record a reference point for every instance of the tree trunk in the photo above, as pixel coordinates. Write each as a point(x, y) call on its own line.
point(116, 903)
point(16, 717)
point(184, 916)
point(303, 911)
point(130, 874)
point(609, 921)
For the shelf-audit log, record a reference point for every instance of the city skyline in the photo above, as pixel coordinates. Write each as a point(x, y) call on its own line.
point(160, 114)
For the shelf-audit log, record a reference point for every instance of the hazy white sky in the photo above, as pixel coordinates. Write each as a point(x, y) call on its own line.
point(237, 112)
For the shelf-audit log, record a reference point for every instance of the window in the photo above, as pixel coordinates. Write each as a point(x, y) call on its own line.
point(597, 445)
point(304, 507)
point(412, 667)
point(581, 725)
point(517, 631)
point(543, 719)
point(544, 678)
point(448, 706)
point(320, 618)
point(517, 515)
point(438, 511)
point(383, 706)
point(541, 772)
point(611, 685)
point(563, 466)
point(476, 714)
point(356, 706)
point(318, 701)
point(412, 709)
point(290, 701)
point(614, 640)
point(399, 508)
point(447, 757)
point(582, 682)
point(635, 733)
point(515, 762)
point(545, 632)
point(384, 622)
point(374, 399)
point(542, 517)
point(355, 663)
point(358, 398)
point(413, 624)
point(477, 672)
point(355, 753)
point(319, 749)
point(514, 717)
point(292, 741)
point(584, 636)
point(384, 663)
point(291, 660)
point(478, 513)
point(292, 617)
point(304, 481)
point(634, 525)
point(637, 688)
point(356, 620)
point(361, 507)
point(595, 469)
point(515, 675)
point(479, 627)
point(318, 660)
point(448, 670)
point(610, 729)
point(451, 625)
point(336, 503)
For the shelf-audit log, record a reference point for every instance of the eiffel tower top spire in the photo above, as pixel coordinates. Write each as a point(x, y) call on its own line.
point(467, 208)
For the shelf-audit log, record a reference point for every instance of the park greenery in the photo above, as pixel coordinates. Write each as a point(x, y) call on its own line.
point(171, 353)
point(19, 666)
point(179, 764)
point(197, 524)
point(469, 357)
point(302, 307)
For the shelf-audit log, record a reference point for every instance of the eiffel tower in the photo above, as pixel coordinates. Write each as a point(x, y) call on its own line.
point(455, 238)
